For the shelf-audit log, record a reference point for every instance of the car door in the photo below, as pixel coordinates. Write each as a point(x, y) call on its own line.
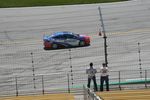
point(59, 38)
point(71, 40)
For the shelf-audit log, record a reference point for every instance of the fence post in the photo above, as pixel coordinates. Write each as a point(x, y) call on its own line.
point(16, 86)
point(68, 83)
point(145, 78)
point(43, 91)
point(119, 81)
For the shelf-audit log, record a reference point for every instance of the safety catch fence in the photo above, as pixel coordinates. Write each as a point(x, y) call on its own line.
point(71, 82)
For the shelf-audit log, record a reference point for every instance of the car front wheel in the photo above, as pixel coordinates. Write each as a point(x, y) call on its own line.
point(81, 43)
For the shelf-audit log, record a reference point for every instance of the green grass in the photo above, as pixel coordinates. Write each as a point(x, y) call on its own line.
point(30, 3)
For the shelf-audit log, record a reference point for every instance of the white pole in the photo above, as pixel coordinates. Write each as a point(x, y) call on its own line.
point(33, 70)
point(140, 61)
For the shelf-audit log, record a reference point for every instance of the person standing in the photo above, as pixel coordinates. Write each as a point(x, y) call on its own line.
point(91, 76)
point(104, 77)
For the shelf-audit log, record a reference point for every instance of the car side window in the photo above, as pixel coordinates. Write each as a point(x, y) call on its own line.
point(65, 36)
point(59, 37)
point(69, 36)
point(56, 37)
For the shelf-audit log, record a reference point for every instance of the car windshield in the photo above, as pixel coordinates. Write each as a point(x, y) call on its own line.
point(75, 34)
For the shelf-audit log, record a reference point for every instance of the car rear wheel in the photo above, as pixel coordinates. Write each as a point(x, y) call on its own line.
point(81, 43)
point(54, 46)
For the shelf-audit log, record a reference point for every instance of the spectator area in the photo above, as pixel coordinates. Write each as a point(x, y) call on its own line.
point(125, 95)
point(42, 97)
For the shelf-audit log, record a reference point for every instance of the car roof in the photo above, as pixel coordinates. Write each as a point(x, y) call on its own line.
point(61, 33)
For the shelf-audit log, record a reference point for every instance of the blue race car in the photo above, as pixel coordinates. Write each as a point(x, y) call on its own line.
point(65, 40)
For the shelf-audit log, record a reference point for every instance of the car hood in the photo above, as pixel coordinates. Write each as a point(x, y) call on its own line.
point(47, 37)
point(83, 36)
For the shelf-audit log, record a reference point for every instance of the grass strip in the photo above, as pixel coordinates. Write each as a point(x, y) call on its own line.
point(31, 3)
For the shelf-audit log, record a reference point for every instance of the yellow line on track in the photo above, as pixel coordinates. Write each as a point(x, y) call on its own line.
point(42, 97)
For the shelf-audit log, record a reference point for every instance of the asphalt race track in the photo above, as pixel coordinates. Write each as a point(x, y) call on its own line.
point(22, 29)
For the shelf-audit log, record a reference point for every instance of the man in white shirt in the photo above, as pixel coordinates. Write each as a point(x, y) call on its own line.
point(91, 75)
point(104, 77)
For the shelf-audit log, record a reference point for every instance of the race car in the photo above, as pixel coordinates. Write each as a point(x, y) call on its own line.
point(65, 40)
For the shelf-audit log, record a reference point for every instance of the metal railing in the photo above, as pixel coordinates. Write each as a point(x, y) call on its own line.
point(89, 94)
